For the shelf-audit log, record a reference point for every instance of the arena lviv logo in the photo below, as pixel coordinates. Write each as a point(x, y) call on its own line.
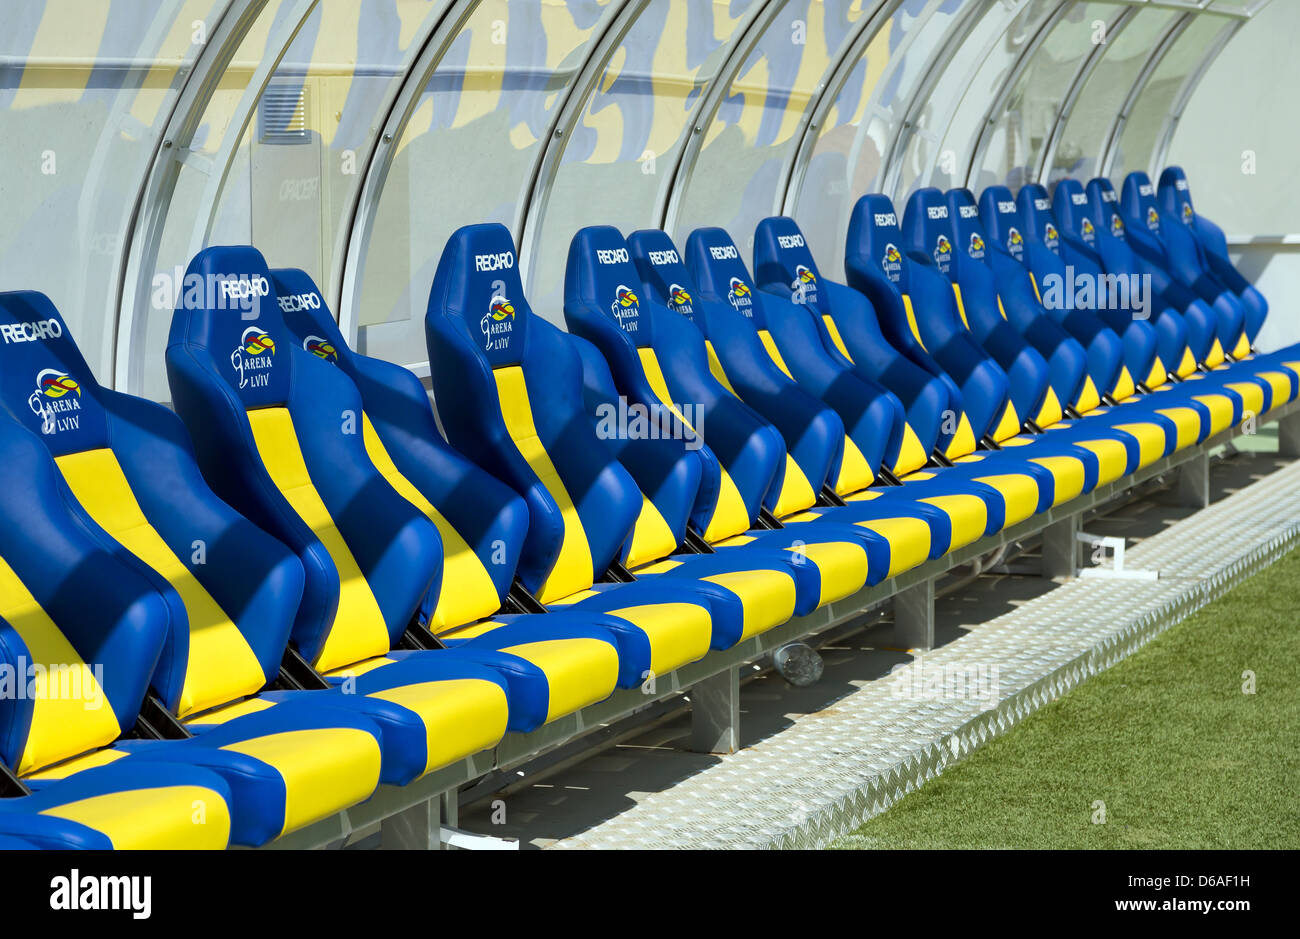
point(321, 348)
point(498, 323)
point(626, 308)
point(1051, 237)
point(892, 264)
point(943, 252)
point(679, 299)
point(1015, 242)
point(1088, 231)
point(1153, 219)
point(1116, 225)
point(740, 296)
point(1188, 214)
point(55, 401)
point(805, 284)
point(976, 249)
point(255, 355)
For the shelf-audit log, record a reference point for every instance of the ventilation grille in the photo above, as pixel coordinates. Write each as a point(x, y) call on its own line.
point(282, 115)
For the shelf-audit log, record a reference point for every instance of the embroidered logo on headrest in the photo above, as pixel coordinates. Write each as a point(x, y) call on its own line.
point(1088, 231)
point(738, 295)
point(976, 249)
point(804, 287)
point(679, 299)
point(1188, 214)
point(37, 331)
point(1078, 198)
point(626, 308)
point(790, 241)
point(1153, 218)
point(255, 354)
point(321, 348)
point(943, 252)
point(497, 323)
point(51, 401)
point(1051, 237)
point(1116, 225)
point(1015, 242)
point(892, 262)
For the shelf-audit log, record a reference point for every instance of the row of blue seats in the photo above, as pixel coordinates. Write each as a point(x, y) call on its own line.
point(241, 617)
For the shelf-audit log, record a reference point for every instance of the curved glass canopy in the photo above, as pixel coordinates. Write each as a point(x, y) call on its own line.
point(351, 137)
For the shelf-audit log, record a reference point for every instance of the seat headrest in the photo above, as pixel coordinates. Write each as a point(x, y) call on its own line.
point(1175, 195)
point(782, 255)
point(874, 238)
point(966, 225)
point(600, 275)
point(928, 228)
point(47, 385)
point(1070, 206)
point(715, 261)
point(1036, 211)
point(1103, 205)
point(662, 273)
point(478, 282)
point(307, 315)
point(228, 309)
point(1138, 200)
point(1001, 218)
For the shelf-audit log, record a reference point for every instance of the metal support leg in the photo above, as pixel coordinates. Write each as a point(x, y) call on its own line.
point(1288, 435)
point(415, 829)
point(715, 714)
point(914, 617)
point(1061, 549)
point(1193, 486)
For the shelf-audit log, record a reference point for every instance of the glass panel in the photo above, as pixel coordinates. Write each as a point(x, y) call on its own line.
point(734, 181)
point(1013, 152)
point(467, 154)
point(639, 114)
point(1099, 101)
point(1137, 140)
point(960, 136)
point(1237, 139)
point(923, 163)
point(864, 119)
point(84, 96)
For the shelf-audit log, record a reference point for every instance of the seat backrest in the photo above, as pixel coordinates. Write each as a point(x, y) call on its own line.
point(1070, 206)
point(80, 628)
point(782, 256)
point(509, 391)
point(130, 466)
point(481, 521)
point(278, 435)
point(1003, 220)
point(1040, 223)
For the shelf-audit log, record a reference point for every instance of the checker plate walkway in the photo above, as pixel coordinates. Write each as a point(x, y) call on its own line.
point(834, 768)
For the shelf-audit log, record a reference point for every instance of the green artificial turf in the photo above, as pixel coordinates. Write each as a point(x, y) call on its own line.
point(1167, 739)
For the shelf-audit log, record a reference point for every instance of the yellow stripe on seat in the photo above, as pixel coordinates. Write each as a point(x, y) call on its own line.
point(467, 592)
point(967, 514)
point(1008, 424)
point(166, 817)
point(325, 769)
point(679, 633)
point(1187, 423)
point(833, 330)
point(579, 671)
point(773, 352)
point(1088, 399)
point(1124, 387)
point(961, 305)
point(1068, 473)
point(1150, 438)
point(1280, 384)
point(855, 472)
point(220, 665)
point(1019, 495)
point(1112, 458)
point(1051, 411)
point(70, 712)
point(461, 716)
point(77, 764)
point(652, 539)
point(963, 441)
point(1187, 365)
point(358, 631)
point(796, 491)
point(729, 515)
point(767, 597)
point(842, 566)
point(911, 321)
point(1158, 374)
point(715, 366)
point(1214, 358)
point(573, 569)
point(1242, 348)
point(911, 455)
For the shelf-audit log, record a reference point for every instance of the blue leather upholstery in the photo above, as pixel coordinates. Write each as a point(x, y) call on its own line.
point(509, 389)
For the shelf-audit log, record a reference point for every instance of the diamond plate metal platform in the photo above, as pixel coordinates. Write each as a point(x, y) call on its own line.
point(837, 766)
